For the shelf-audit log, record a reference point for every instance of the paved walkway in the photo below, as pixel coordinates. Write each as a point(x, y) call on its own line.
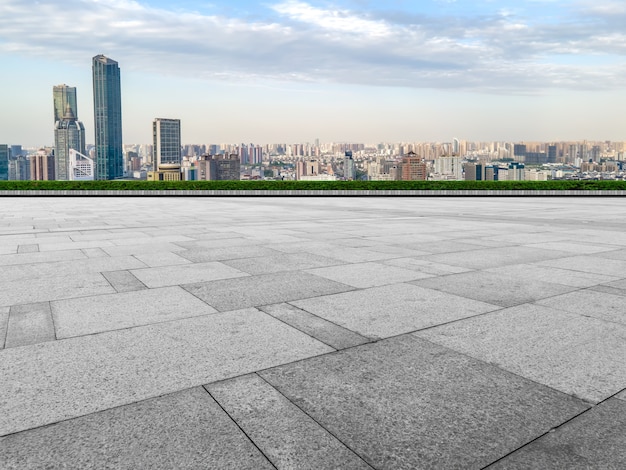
point(312, 333)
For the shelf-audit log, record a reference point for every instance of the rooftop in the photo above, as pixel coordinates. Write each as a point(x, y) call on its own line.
point(312, 333)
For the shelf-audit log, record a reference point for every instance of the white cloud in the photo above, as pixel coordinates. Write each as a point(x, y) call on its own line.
point(306, 43)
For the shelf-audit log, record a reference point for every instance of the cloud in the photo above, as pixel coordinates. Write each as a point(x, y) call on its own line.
point(297, 41)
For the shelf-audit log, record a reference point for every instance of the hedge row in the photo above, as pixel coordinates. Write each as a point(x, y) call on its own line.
point(314, 185)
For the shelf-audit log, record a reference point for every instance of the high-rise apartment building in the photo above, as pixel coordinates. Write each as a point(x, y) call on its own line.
point(218, 167)
point(4, 162)
point(107, 104)
point(349, 169)
point(63, 96)
point(69, 134)
point(41, 166)
point(414, 168)
point(166, 146)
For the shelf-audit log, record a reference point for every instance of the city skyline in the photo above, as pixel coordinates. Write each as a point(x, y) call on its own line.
point(341, 70)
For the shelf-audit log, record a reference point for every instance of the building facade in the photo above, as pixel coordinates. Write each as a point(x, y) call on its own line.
point(218, 167)
point(107, 103)
point(42, 166)
point(4, 162)
point(69, 134)
point(166, 146)
point(414, 168)
point(63, 96)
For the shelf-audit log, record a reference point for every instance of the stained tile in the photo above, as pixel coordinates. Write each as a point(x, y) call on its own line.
point(29, 324)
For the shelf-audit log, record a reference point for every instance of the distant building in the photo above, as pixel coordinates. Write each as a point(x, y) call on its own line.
point(64, 96)
point(349, 169)
point(218, 167)
point(19, 168)
point(414, 168)
point(166, 146)
point(4, 162)
point(450, 165)
point(473, 171)
point(107, 103)
point(42, 166)
point(69, 134)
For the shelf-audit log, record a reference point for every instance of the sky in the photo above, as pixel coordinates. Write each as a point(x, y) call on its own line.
point(335, 70)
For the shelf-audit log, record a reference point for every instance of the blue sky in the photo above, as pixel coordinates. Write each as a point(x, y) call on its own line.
point(337, 70)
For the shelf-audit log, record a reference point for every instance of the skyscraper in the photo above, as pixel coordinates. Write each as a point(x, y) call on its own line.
point(4, 162)
point(166, 143)
point(64, 95)
point(69, 133)
point(107, 104)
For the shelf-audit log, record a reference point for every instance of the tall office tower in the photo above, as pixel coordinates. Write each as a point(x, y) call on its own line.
point(69, 133)
point(349, 171)
point(166, 149)
point(62, 96)
point(4, 162)
point(107, 105)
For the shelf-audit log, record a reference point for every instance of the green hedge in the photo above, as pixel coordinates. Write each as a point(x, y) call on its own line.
point(313, 185)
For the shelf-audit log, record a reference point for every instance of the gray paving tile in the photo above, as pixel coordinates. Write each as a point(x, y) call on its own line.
point(124, 281)
point(29, 324)
point(94, 253)
point(163, 258)
point(595, 439)
point(95, 314)
point(578, 355)
point(182, 430)
point(8, 249)
point(407, 403)
point(368, 274)
point(322, 330)
point(46, 245)
point(251, 291)
point(137, 249)
point(29, 258)
point(380, 312)
point(540, 273)
point(32, 248)
point(4, 320)
point(428, 267)
point(622, 395)
point(442, 246)
point(494, 288)
point(397, 250)
point(578, 248)
point(495, 257)
point(281, 262)
point(185, 274)
point(617, 254)
point(204, 255)
point(590, 264)
point(48, 382)
point(287, 436)
point(53, 288)
point(589, 303)
point(219, 243)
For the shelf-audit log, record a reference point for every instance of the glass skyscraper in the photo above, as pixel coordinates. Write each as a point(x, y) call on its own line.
point(64, 95)
point(4, 162)
point(69, 133)
point(107, 104)
point(166, 142)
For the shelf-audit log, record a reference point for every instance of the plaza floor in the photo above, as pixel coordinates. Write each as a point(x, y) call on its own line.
point(309, 332)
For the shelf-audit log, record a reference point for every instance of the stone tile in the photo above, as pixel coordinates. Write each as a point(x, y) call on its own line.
point(29, 324)
point(219, 243)
point(182, 430)
point(590, 264)
point(286, 436)
point(251, 291)
point(351, 255)
point(88, 315)
point(617, 254)
point(590, 304)
point(397, 251)
point(580, 356)
point(168, 238)
point(495, 257)
point(124, 281)
point(368, 274)
point(204, 255)
point(95, 253)
point(49, 257)
point(53, 288)
point(49, 382)
point(595, 439)
point(8, 249)
point(163, 258)
point(71, 245)
point(320, 329)
point(622, 395)
point(380, 312)
point(442, 246)
point(281, 262)
point(147, 247)
point(494, 288)
point(407, 403)
point(185, 274)
point(539, 273)
point(4, 320)
point(578, 248)
point(427, 267)
point(32, 248)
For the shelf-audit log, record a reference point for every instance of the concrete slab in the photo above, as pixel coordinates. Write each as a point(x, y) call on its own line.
point(286, 436)
point(49, 257)
point(590, 264)
point(95, 314)
point(4, 321)
point(124, 281)
point(494, 288)
point(137, 249)
point(46, 245)
point(495, 257)
point(595, 439)
point(31, 248)
point(327, 332)
point(49, 382)
point(251, 291)
point(407, 403)
point(204, 255)
point(185, 274)
point(281, 262)
point(599, 305)
point(577, 248)
point(427, 267)
point(94, 253)
point(182, 430)
point(162, 258)
point(380, 312)
point(29, 324)
point(580, 356)
point(368, 274)
point(539, 273)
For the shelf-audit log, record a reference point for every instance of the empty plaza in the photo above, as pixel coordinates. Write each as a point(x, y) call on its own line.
point(312, 332)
